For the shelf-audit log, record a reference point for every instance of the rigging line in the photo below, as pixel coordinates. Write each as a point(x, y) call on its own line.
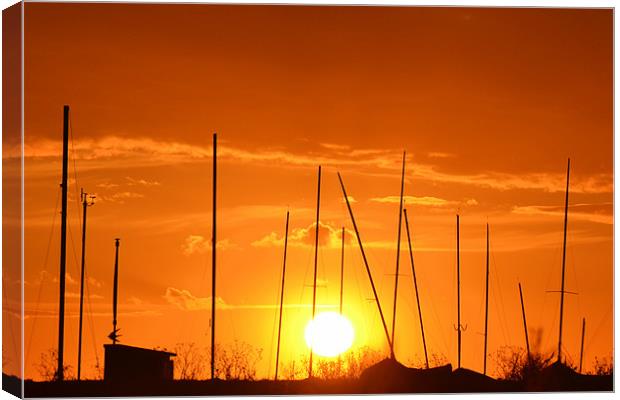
point(276, 312)
point(494, 288)
point(576, 281)
point(438, 326)
point(5, 298)
point(77, 194)
point(361, 295)
point(556, 312)
point(90, 317)
point(75, 258)
point(599, 326)
point(498, 311)
point(43, 276)
point(542, 310)
point(501, 296)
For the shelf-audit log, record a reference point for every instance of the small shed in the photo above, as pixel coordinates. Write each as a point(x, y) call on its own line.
point(135, 364)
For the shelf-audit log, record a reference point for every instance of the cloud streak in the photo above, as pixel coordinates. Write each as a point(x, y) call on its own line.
point(598, 213)
point(184, 300)
point(134, 152)
point(423, 201)
point(329, 236)
point(198, 244)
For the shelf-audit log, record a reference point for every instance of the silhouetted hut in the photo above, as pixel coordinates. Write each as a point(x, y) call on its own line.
point(134, 364)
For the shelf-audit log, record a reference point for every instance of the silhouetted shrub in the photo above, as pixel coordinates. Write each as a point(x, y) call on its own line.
point(190, 362)
point(512, 363)
point(237, 361)
point(602, 366)
point(48, 366)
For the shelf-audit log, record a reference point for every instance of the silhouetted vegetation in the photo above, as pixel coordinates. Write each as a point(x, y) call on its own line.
point(348, 366)
point(190, 362)
point(48, 366)
point(233, 361)
point(237, 361)
point(603, 366)
point(512, 363)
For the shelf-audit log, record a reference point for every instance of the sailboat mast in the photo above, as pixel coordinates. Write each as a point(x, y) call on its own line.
point(400, 213)
point(372, 283)
point(86, 201)
point(527, 338)
point(114, 334)
point(563, 264)
point(583, 335)
point(486, 307)
point(63, 245)
point(282, 296)
point(316, 257)
point(342, 270)
point(415, 284)
point(458, 290)
point(213, 252)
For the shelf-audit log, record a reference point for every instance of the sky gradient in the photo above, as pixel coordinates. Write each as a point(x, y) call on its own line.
point(488, 104)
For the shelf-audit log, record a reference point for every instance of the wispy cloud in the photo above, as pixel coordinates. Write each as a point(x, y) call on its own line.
point(120, 197)
point(94, 282)
point(424, 201)
point(547, 182)
point(350, 198)
point(76, 295)
point(599, 213)
point(336, 147)
point(184, 300)
point(329, 236)
point(198, 244)
point(437, 154)
point(132, 152)
point(140, 182)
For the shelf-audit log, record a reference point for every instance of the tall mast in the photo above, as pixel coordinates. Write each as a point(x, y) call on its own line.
point(400, 213)
point(63, 245)
point(486, 307)
point(86, 201)
point(213, 251)
point(458, 290)
point(342, 270)
point(563, 264)
point(114, 335)
point(415, 284)
point(282, 295)
point(583, 334)
point(372, 283)
point(316, 257)
point(527, 338)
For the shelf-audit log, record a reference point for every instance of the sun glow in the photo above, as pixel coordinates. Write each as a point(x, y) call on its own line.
point(329, 334)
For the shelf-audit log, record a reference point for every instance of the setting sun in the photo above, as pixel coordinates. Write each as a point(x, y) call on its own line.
point(329, 334)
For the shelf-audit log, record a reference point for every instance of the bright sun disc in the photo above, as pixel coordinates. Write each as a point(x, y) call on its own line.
point(329, 334)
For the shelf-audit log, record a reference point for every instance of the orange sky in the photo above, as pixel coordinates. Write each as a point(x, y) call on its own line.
point(488, 103)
